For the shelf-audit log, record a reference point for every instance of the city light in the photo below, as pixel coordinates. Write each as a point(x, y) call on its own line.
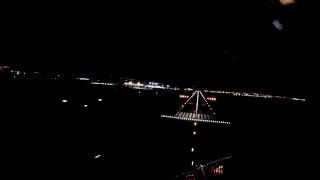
point(204, 166)
point(192, 149)
point(217, 171)
point(64, 101)
point(194, 132)
point(211, 99)
point(256, 95)
point(85, 105)
point(183, 96)
point(83, 79)
point(99, 100)
point(97, 156)
point(4, 67)
point(101, 83)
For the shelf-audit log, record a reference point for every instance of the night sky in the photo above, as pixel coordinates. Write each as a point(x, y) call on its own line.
point(221, 45)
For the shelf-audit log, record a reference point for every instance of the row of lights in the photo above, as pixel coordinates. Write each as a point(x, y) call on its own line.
point(257, 95)
point(192, 148)
point(198, 120)
point(217, 171)
point(183, 96)
point(211, 99)
point(221, 159)
point(102, 83)
point(203, 166)
point(85, 105)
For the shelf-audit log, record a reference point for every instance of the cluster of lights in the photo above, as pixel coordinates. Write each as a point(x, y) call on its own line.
point(203, 166)
point(130, 83)
point(211, 99)
point(217, 171)
point(4, 67)
point(183, 96)
point(133, 85)
point(101, 83)
point(188, 89)
point(198, 120)
point(51, 76)
point(83, 79)
point(154, 83)
point(15, 72)
point(150, 86)
point(257, 95)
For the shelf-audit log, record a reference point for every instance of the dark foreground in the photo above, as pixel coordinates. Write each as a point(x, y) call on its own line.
point(42, 136)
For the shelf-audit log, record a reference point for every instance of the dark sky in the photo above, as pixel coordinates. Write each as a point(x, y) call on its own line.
point(230, 44)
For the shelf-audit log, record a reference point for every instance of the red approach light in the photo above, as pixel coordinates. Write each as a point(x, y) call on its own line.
point(211, 98)
point(217, 171)
point(182, 96)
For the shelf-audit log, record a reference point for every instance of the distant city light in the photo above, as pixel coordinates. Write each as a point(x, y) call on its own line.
point(183, 96)
point(188, 89)
point(192, 149)
point(83, 79)
point(97, 156)
point(217, 170)
point(4, 67)
point(99, 100)
point(101, 83)
point(194, 132)
point(205, 165)
point(211, 98)
point(85, 105)
point(256, 95)
point(192, 163)
point(64, 101)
